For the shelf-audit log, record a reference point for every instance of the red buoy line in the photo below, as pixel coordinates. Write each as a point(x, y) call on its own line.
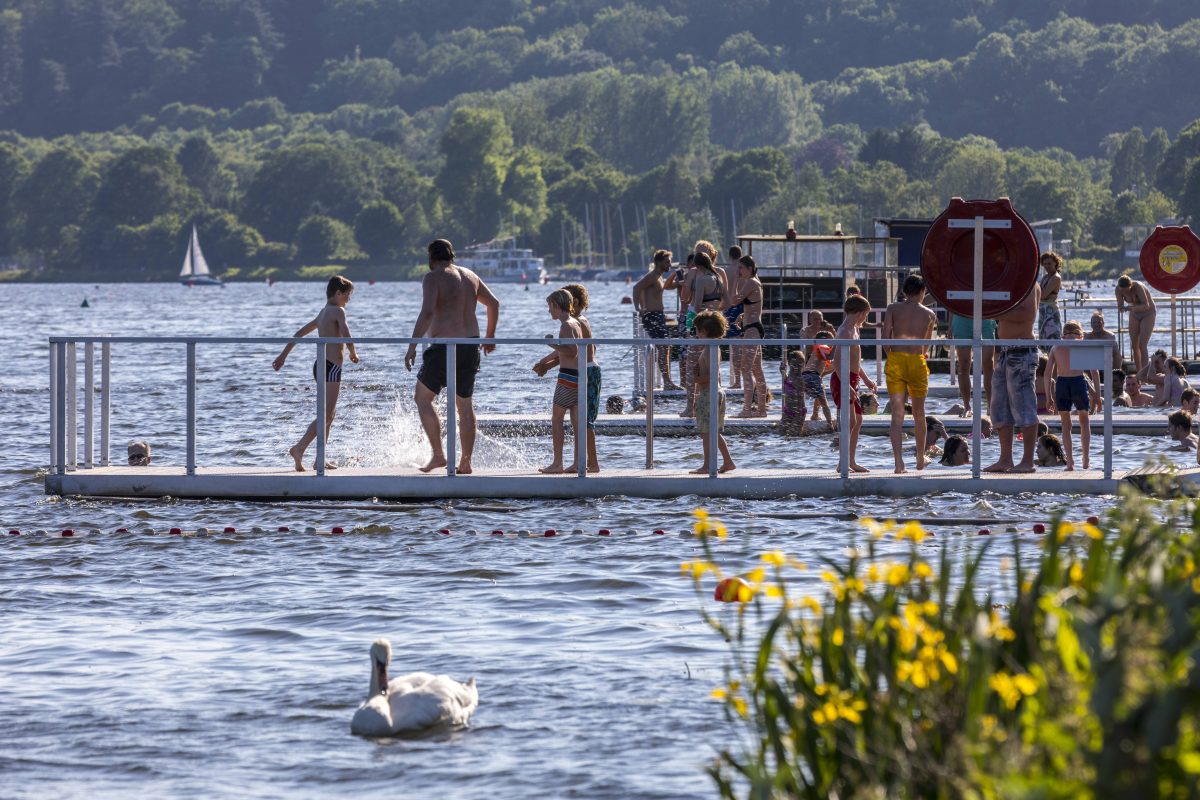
point(1037, 528)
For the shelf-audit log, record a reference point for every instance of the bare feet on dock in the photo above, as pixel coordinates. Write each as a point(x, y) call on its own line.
point(700, 471)
point(728, 466)
point(900, 470)
point(1070, 468)
point(921, 462)
point(553, 469)
point(1086, 462)
point(464, 468)
point(999, 466)
point(672, 387)
point(296, 455)
point(328, 465)
point(858, 468)
point(434, 463)
point(1022, 469)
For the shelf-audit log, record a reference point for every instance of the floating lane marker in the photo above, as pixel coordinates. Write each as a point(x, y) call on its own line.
point(1039, 528)
point(14, 532)
point(175, 532)
point(68, 532)
point(230, 529)
point(1093, 520)
point(602, 532)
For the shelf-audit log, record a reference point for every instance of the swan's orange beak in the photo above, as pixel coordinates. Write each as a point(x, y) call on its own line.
point(381, 678)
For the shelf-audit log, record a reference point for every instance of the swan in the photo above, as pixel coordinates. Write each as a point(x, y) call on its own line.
point(412, 702)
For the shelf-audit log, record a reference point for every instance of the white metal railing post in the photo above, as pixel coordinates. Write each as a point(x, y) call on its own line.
point(581, 361)
point(977, 356)
point(105, 402)
point(714, 408)
point(60, 414)
point(878, 334)
point(953, 356)
point(72, 399)
point(54, 389)
point(191, 408)
point(1106, 372)
point(321, 374)
point(638, 365)
point(651, 365)
point(844, 409)
point(451, 409)
point(89, 393)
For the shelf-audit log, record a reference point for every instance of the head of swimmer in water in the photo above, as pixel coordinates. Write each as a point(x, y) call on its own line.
point(956, 452)
point(935, 430)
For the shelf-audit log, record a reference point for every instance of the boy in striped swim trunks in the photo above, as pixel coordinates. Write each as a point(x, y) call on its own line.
point(907, 372)
point(561, 304)
point(579, 294)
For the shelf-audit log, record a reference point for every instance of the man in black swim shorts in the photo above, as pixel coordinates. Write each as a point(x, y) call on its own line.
point(648, 302)
point(450, 294)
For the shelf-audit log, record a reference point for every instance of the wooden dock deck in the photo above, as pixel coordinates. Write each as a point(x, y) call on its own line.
point(671, 424)
point(262, 483)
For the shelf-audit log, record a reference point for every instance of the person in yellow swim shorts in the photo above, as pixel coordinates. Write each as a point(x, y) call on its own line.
point(907, 373)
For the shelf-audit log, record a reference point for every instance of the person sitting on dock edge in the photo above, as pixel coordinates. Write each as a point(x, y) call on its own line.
point(648, 303)
point(1014, 395)
point(855, 309)
point(330, 322)
point(906, 371)
point(710, 324)
point(449, 295)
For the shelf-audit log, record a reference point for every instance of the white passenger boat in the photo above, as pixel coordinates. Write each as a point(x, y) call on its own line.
point(501, 261)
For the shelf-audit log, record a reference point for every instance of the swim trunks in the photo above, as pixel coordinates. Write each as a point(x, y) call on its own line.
point(654, 323)
point(756, 326)
point(907, 373)
point(1014, 395)
point(1051, 322)
point(835, 388)
point(702, 416)
point(814, 387)
point(1070, 392)
point(466, 367)
point(733, 331)
point(964, 328)
point(593, 395)
point(333, 372)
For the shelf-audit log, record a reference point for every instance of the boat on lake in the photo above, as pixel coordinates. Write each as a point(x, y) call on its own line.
point(501, 261)
point(195, 270)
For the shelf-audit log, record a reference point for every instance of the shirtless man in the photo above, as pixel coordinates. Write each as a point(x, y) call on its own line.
point(907, 373)
point(1014, 390)
point(1100, 333)
point(648, 303)
point(449, 296)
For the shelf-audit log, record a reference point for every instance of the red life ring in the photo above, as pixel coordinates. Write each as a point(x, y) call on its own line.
point(1010, 257)
point(1170, 259)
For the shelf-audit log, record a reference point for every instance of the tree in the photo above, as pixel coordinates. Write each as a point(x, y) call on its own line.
point(202, 167)
point(370, 81)
point(525, 191)
point(57, 193)
point(297, 182)
point(379, 230)
point(973, 172)
point(142, 184)
point(476, 144)
point(320, 240)
point(12, 171)
point(1128, 167)
point(1153, 153)
point(1189, 199)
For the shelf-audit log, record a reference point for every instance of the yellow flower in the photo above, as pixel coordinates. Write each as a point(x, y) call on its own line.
point(839, 705)
point(1076, 574)
point(700, 514)
point(1091, 530)
point(1065, 529)
point(873, 573)
point(1025, 684)
point(776, 558)
point(756, 575)
point(1012, 688)
point(923, 570)
point(829, 577)
point(839, 637)
point(897, 574)
point(697, 568)
point(774, 590)
point(739, 705)
point(878, 529)
point(1196, 585)
point(811, 604)
point(911, 530)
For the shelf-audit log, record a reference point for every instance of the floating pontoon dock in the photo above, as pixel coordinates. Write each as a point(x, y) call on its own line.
point(97, 478)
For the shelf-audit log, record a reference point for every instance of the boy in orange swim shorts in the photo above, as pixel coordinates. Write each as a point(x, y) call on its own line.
point(907, 372)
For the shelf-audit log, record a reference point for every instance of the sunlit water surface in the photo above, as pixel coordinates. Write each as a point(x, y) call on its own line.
point(231, 664)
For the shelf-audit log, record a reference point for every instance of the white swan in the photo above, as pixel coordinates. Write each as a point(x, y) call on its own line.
point(412, 702)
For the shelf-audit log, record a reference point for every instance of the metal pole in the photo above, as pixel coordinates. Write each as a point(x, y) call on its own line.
point(1173, 350)
point(1120, 329)
point(844, 409)
point(322, 374)
point(105, 402)
point(878, 332)
point(60, 412)
point(581, 360)
point(1108, 420)
point(191, 408)
point(72, 399)
point(451, 409)
point(638, 354)
point(53, 408)
point(651, 365)
point(977, 356)
point(89, 392)
point(714, 386)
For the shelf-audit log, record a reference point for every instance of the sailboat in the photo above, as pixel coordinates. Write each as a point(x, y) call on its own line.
point(195, 268)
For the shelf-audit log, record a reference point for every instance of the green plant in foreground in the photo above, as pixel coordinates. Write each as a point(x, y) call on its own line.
point(907, 678)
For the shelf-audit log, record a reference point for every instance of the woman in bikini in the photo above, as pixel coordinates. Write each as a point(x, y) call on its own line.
point(1141, 317)
point(1051, 323)
point(706, 291)
point(755, 393)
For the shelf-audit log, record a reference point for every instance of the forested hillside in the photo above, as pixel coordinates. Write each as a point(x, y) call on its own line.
point(350, 131)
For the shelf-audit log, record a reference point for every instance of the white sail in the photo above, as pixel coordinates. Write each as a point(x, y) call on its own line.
point(199, 265)
point(186, 272)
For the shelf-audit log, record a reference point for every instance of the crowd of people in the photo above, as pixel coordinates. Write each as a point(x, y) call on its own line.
point(726, 302)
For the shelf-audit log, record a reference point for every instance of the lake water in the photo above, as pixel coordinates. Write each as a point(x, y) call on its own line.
point(232, 664)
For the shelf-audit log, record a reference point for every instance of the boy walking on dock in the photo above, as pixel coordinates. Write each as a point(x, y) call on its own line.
point(561, 305)
point(856, 308)
point(907, 371)
point(1068, 388)
point(329, 323)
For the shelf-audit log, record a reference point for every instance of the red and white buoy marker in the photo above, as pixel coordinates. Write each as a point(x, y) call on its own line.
point(176, 532)
point(1093, 520)
point(230, 529)
point(497, 532)
point(603, 532)
point(68, 532)
point(284, 529)
point(336, 530)
point(660, 532)
point(1039, 528)
point(14, 532)
point(550, 532)
point(985, 532)
point(444, 531)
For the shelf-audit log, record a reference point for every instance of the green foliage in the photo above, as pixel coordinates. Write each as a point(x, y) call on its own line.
point(379, 230)
point(1071, 674)
point(477, 145)
point(322, 239)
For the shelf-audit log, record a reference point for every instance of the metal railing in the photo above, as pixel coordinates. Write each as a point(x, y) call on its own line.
point(64, 390)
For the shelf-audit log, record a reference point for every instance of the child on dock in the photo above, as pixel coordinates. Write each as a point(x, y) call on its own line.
point(1179, 427)
point(1067, 388)
point(856, 308)
point(330, 322)
point(561, 306)
point(816, 366)
point(710, 325)
point(579, 294)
